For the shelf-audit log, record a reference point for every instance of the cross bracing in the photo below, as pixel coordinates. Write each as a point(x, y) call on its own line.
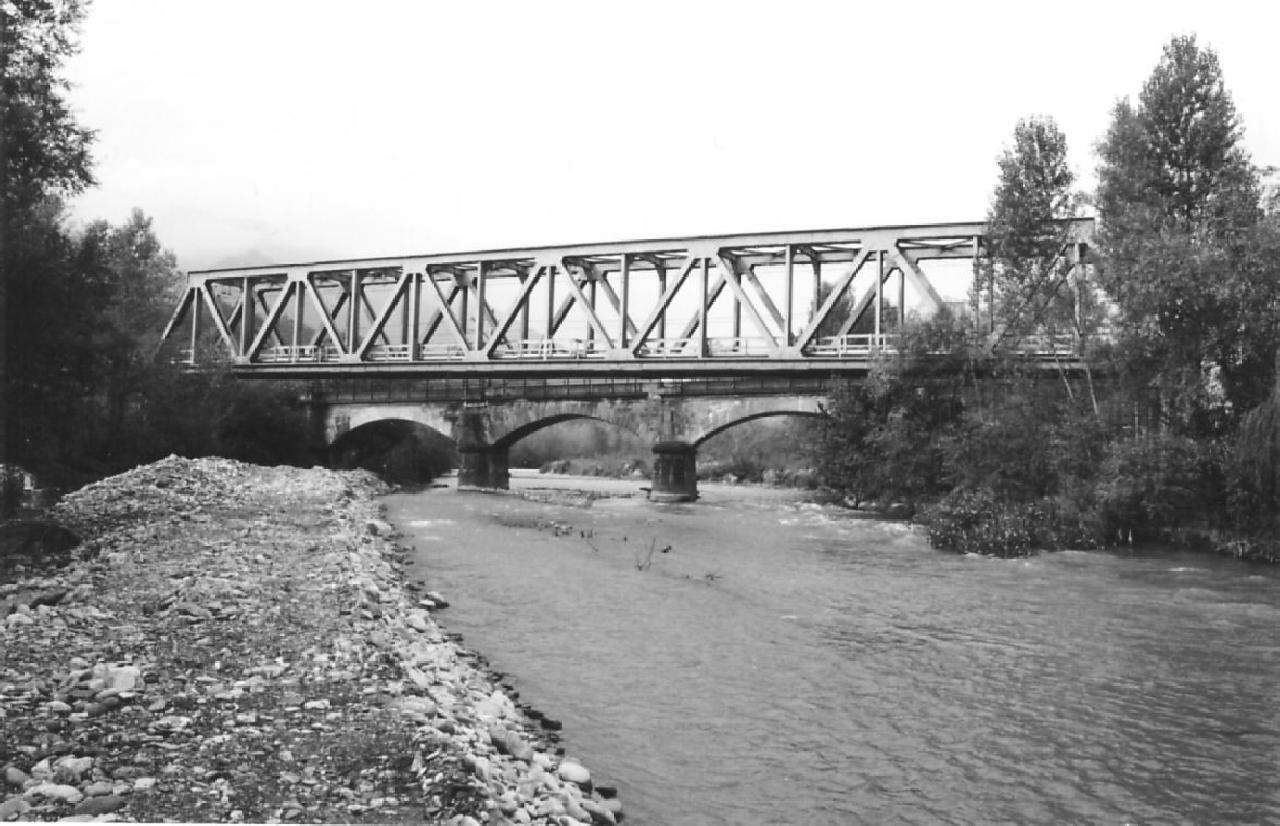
point(789, 300)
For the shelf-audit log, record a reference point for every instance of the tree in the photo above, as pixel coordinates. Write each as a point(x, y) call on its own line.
point(44, 153)
point(44, 150)
point(1029, 267)
point(136, 283)
point(1178, 200)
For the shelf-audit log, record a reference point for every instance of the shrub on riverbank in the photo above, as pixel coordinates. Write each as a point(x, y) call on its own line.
point(1157, 486)
point(975, 521)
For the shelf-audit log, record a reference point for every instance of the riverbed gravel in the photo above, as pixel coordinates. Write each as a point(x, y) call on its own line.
point(235, 643)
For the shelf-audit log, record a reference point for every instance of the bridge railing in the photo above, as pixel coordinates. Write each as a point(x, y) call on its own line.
point(669, 348)
point(855, 344)
point(552, 348)
point(304, 354)
point(1044, 345)
point(740, 346)
point(441, 352)
point(291, 354)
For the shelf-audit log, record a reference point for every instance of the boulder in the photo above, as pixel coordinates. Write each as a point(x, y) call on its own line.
point(574, 772)
point(100, 805)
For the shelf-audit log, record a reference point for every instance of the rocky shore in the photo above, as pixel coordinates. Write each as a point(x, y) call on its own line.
point(233, 643)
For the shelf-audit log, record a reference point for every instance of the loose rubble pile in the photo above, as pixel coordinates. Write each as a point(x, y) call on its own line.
point(238, 643)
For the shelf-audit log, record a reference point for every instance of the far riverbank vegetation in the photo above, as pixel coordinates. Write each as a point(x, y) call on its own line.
point(1164, 426)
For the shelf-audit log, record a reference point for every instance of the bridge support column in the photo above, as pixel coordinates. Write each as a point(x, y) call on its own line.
point(481, 464)
point(675, 472)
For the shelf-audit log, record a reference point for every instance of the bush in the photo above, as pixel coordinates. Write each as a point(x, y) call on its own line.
point(881, 439)
point(975, 521)
point(1157, 486)
point(263, 425)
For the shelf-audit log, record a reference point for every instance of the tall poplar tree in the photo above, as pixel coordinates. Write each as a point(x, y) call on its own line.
point(1033, 286)
point(1178, 199)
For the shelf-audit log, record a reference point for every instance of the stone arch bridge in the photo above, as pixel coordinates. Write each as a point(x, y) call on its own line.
point(674, 425)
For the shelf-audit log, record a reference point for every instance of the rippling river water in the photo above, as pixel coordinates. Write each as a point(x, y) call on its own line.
point(787, 663)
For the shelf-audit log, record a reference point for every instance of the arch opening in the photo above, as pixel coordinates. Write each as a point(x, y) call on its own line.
point(398, 450)
point(771, 447)
point(579, 444)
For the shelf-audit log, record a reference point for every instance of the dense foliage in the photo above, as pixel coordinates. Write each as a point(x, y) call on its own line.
point(1181, 441)
point(81, 308)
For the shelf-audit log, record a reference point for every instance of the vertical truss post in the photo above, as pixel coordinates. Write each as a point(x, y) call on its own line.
point(791, 280)
point(737, 307)
point(464, 298)
point(407, 276)
point(415, 312)
point(478, 340)
point(246, 315)
point(195, 322)
point(592, 293)
point(902, 297)
point(551, 301)
point(817, 285)
point(879, 294)
point(353, 313)
point(703, 286)
point(1079, 288)
point(625, 308)
point(991, 303)
point(297, 311)
point(661, 270)
point(523, 330)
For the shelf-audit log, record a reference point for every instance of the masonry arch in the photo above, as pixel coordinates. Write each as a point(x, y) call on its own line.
point(341, 419)
point(716, 417)
point(767, 414)
point(529, 428)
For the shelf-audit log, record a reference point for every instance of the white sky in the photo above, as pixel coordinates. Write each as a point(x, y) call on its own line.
point(300, 130)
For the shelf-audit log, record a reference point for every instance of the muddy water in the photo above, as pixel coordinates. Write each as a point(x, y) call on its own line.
point(785, 663)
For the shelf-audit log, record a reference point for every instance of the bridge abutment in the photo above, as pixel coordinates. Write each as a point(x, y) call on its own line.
point(675, 472)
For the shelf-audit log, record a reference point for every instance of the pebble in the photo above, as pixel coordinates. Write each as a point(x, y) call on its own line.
point(14, 807)
point(73, 766)
point(55, 791)
point(599, 812)
point(100, 805)
point(15, 776)
point(102, 787)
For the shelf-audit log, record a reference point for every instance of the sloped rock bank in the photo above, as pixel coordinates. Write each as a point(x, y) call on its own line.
point(238, 643)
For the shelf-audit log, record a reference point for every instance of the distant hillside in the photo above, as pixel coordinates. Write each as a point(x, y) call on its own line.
point(257, 257)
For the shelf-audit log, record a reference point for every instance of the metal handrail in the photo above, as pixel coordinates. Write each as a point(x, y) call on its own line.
point(854, 344)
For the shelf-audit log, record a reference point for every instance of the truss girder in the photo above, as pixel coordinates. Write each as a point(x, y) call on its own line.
point(612, 303)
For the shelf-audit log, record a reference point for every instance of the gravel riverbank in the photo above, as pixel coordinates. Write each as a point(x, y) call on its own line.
point(239, 643)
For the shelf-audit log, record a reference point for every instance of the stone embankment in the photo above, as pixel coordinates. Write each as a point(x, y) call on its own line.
point(238, 643)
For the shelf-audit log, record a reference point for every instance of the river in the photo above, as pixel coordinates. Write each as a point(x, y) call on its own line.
point(785, 662)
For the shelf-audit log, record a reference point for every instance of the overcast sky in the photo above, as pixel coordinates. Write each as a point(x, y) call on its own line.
point(300, 130)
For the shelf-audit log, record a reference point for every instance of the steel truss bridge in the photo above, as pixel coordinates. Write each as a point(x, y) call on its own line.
point(782, 303)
